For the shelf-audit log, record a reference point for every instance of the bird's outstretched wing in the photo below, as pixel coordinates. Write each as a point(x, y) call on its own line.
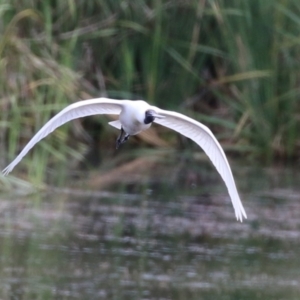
point(202, 135)
point(74, 111)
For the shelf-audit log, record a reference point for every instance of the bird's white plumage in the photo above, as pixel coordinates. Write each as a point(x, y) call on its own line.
point(131, 118)
point(117, 124)
point(74, 111)
point(207, 141)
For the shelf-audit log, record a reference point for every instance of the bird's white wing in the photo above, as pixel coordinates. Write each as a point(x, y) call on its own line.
point(117, 124)
point(74, 111)
point(206, 140)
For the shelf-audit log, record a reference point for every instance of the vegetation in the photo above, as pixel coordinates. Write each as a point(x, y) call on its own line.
point(232, 64)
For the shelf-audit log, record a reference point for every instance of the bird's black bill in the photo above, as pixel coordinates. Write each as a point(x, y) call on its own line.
point(123, 137)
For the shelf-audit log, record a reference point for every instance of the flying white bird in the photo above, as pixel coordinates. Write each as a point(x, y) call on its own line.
point(137, 116)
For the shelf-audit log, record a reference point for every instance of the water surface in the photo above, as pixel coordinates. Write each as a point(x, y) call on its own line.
point(175, 238)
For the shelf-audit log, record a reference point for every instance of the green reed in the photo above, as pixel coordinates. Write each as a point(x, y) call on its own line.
point(241, 54)
point(258, 36)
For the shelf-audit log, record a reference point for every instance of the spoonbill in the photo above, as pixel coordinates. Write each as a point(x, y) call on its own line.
point(137, 116)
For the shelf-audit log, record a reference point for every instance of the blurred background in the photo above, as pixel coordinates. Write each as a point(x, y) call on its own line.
point(153, 220)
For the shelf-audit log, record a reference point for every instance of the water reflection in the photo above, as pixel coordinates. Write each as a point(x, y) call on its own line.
point(154, 242)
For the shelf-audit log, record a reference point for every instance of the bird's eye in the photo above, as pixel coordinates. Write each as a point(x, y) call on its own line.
point(149, 118)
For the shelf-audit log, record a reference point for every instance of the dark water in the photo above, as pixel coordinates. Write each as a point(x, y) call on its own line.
point(164, 239)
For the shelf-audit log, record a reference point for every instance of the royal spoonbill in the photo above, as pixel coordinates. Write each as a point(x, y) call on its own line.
point(134, 117)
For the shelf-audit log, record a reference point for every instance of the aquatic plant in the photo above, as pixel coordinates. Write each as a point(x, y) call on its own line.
point(233, 65)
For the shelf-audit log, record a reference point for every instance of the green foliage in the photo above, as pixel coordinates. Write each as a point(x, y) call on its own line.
point(262, 35)
point(242, 53)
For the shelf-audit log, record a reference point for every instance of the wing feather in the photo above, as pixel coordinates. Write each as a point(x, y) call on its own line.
point(202, 135)
point(76, 110)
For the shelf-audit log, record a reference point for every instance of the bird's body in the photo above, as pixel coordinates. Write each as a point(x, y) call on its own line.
point(137, 116)
point(132, 117)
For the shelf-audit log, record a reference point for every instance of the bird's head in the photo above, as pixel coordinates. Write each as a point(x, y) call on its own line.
point(150, 115)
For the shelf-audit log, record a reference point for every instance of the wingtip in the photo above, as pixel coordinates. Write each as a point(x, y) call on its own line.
point(239, 218)
point(240, 215)
point(6, 170)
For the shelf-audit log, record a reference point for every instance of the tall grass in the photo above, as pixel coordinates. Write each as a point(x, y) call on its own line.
point(235, 60)
point(262, 36)
point(33, 85)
